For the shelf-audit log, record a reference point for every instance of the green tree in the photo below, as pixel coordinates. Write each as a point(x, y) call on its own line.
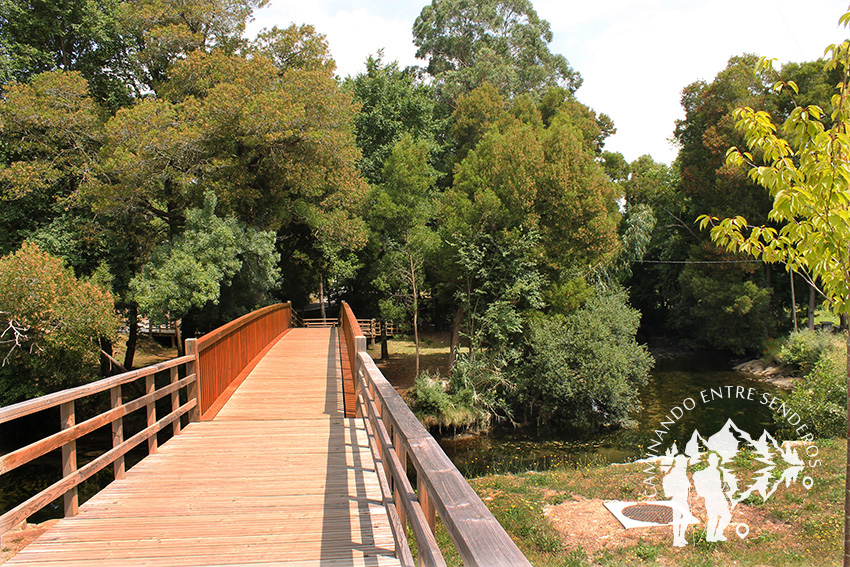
point(805, 166)
point(502, 42)
point(584, 369)
point(51, 325)
point(393, 104)
point(191, 269)
point(70, 35)
point(402, 209)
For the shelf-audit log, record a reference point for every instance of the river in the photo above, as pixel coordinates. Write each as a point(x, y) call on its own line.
point(672, 381)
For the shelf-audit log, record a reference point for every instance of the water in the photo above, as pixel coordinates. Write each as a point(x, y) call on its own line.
point(671, 382)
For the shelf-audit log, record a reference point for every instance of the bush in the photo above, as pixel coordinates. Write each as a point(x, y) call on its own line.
point(584, 369)
point(803, 349)
point(451, 402)
point(821, 401)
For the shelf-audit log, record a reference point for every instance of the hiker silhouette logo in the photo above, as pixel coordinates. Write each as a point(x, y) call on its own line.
point(713, 477)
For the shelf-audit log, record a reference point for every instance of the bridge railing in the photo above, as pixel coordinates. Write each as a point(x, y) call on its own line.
point(71, 431)
point(225, 354)
point(397, 439)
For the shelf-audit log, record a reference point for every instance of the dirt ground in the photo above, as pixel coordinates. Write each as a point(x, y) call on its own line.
point(586, 523)
point(18, 538)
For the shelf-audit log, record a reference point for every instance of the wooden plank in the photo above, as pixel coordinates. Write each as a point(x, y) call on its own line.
point(24, 510)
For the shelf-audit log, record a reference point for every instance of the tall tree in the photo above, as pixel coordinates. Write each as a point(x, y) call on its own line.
point(503, 42)
point(402, 209)
point(805, 167)
point(393, 104)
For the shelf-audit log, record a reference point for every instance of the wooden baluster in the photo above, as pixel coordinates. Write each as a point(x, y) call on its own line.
point(150, 409)
point(426, 503)
point(401, 451)
point(194, 389)
point(117, 431)
point(69, 457)
point(175, 402)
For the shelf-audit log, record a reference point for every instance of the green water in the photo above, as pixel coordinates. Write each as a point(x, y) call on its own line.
point(671, 382)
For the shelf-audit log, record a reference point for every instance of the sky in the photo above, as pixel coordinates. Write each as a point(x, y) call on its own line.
point(635, 56)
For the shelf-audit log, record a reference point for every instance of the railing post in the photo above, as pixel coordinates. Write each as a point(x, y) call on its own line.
point(359, 346)
point(175, 402)
point(69, 457)
point(427, 503)
point(150, 410)
point(194, 388)
point(401, 451)
point(115, 400)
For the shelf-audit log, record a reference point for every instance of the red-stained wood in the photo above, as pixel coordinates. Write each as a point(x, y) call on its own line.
point(39, 448)
point(225, 352)
point(115, 396)
point(67, 414)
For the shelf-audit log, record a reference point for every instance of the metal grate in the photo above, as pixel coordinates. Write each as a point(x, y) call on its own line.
point(653, 513)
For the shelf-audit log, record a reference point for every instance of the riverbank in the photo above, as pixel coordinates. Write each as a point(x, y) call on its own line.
point(558, 519)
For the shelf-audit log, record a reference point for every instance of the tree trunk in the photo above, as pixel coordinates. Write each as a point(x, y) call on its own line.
point(322, 295)
point(455, 345)
point(132, 337)
point(847, 467)
point(178, 334)
point(793, 302)
point(415, 310)
point(385, 351)
point(106, 366)
point(811, 321)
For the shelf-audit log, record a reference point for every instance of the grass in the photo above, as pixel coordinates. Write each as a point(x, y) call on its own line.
point(795, 527)
point(400, 369)
point(808, 533)
point(148, 351)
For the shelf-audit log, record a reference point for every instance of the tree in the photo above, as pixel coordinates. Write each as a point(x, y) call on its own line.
point(191, 269)
point(393, 104)
point(805, 167)
point(402, 209)
point(584, 369)
point(51, 324)
point(71, 35)
point(503, 42)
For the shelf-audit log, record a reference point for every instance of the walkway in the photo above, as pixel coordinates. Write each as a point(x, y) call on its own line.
point(279, 477)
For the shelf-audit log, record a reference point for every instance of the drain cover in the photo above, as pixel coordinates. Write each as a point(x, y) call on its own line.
point(652, 513)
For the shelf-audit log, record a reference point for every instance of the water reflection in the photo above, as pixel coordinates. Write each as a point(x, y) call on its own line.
point(672, 381)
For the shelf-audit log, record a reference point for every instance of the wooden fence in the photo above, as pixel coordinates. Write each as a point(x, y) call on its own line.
point(212, 366)
point(70, 431)
point(397, 439)
point(225, 355)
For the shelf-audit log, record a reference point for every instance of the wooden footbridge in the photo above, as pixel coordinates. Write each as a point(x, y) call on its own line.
point(287, 447)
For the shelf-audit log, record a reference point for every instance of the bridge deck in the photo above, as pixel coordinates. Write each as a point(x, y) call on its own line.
point(279, 477)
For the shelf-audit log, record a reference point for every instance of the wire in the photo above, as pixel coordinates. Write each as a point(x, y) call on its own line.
point(700, 262)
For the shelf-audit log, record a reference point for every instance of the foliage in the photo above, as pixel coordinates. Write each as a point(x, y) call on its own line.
point(401, 211)
point(71, 35)
point(393, 104)
point(503, 42)
point(191, 270)
point(803, 349)
point(583, 369)
point(51, 323)
point(820, 399)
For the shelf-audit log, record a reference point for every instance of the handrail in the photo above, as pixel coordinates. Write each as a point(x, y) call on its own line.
point(70, 431)
point(225, 353)
point(397, 437)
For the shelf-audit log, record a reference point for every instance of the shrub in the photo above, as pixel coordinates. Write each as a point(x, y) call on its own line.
point(802, 349)
point(820, 399)
point(584, 369)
